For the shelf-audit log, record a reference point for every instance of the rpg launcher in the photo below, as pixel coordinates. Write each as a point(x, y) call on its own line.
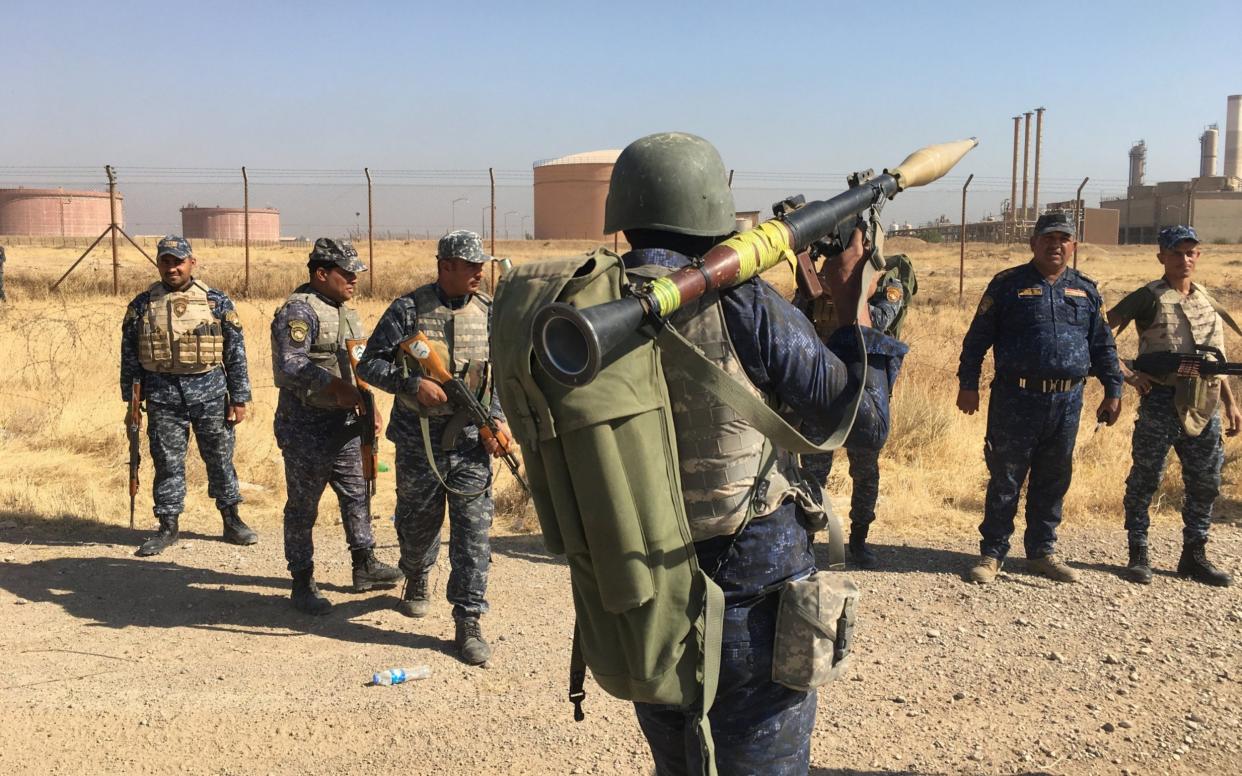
point(572, 344)
point(133, 432)
point(366, 415)
point(1205, 362)
point(463, 400)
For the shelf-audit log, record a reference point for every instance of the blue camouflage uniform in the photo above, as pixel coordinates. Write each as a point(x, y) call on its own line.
point(177, 402)
point(465, 465)
point(1046, 337)
point(760, 726)
point(321, 444)
point(885, 305)
point(2, 296)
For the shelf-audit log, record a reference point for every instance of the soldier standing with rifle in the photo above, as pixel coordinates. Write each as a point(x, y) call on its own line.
point(440, 455)
point(319, 421)
point(182, 346)
point(1174, 315)
point(887, 305)
point(1044, 324)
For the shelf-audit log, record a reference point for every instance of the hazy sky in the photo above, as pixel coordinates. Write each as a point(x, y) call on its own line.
point(807, 88)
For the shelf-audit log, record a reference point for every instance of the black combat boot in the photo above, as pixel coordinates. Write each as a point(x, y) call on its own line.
point(166, 537)
point(235, 531)
point(369, 572)
point(1139, 568)
point(414, 599)
point(862, 555)
point(470, 644)
point(1195, 565)
point(306, 596)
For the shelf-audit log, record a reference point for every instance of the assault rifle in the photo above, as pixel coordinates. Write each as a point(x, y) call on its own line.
point(366, 415)
point(133, 431)
point(573, 344)
point(463, 400)
point(1205, 362)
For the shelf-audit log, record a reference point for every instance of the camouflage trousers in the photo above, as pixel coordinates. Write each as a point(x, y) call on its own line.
point(759, 726)
point(168, 428)
point(1031, 434)
point(315, 458)
point(864, 473)
point(421, 501)
point(1156, 430)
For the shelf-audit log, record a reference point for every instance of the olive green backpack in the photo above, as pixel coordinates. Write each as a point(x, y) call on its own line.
point(602, 464)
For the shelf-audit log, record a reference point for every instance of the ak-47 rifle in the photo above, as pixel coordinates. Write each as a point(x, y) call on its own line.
point(133, 431)
point(1205, 362)
point(366, 415)
point(572, 344)
point(463, 399)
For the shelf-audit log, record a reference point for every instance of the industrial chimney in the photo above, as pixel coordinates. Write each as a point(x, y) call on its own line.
point(1207, 151)
point(1138, 163)
point(1233, 137)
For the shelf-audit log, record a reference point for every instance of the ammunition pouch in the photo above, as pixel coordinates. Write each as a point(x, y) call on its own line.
point(814, 630)
point(1196, 399)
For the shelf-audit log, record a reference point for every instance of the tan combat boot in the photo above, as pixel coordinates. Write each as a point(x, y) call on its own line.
point(1052, 567)
point(985, 570)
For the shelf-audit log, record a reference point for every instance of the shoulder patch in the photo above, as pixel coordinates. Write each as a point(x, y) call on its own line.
point(893, 293)
point(985, 304)
point(232, 317)
point(131, 314)
point(298, 330)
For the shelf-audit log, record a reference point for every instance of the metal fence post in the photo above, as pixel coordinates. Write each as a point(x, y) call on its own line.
point(1077, 224)
point(246, 224)
point(116, 264)
point(961, 264)
point(370, 235)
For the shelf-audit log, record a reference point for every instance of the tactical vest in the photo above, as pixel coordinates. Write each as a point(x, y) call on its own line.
point(1182, 322)
point(719, 452)
point(463, 334)
point(179, 335)
point(336, 324)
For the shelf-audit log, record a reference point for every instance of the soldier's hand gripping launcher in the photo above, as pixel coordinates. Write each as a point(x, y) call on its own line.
point(463, 399)
point(1207, 361)
point(571, 344)
point(133, 432)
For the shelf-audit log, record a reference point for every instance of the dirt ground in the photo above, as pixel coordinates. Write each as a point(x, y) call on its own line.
point(193, 662)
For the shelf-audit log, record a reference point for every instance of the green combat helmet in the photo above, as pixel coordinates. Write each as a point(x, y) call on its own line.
point(673, 182)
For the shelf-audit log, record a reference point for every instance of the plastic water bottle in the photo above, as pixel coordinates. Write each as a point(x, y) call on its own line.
point(398, 675)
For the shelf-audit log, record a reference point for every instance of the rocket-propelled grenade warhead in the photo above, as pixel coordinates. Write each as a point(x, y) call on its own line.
point(571, 343)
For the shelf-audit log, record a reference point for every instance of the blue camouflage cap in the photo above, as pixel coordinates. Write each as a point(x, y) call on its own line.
point(464, 245)
point(338, 253)
point(1172, 235)
point(173, 245)
point(1060, 221)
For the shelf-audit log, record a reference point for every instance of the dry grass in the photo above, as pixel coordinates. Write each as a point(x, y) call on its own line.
point(64, 445)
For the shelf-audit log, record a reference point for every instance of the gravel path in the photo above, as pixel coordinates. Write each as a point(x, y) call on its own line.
point(193, 662)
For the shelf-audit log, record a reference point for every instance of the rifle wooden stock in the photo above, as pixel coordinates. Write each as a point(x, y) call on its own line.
point(419, 348)
point(366, 414)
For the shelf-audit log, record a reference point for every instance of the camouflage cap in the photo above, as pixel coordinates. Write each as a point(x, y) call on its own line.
point(1059, 221)
point(173, 245)
point(464, 245)
point(339, 253)
point(1172, 235)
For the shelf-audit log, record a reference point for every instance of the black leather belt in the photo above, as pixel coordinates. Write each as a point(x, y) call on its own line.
point(1044, 384)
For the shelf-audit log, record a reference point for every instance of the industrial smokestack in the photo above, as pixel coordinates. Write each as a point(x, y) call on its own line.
point(1207, 151)
point(1138, 163)
point(1233, 137)
point(1026, 164)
